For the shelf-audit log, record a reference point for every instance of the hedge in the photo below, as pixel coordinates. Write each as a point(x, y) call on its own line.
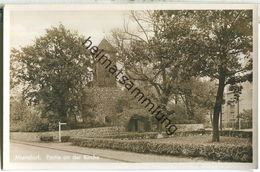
point(235, 133)
point(65, 138)
point(153, 135)
point(134, 135)
point(46, 138)
point(242, 153)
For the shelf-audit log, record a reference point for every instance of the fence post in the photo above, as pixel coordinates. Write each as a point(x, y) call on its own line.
point(60, 130)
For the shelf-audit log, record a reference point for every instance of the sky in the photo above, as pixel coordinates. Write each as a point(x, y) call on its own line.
point(26, 25)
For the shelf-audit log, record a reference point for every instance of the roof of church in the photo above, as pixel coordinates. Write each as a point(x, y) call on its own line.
point(104, 44)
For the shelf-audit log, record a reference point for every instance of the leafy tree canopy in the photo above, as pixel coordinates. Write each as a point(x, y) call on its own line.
point(55, 69)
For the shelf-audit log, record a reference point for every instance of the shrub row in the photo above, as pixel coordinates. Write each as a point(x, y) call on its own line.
point(65, 138)
point(134, 135)
point(241, 134)
point(153, 135)
point(229, 133)
point(209, 151)
point(46, 138)
point(50, 138)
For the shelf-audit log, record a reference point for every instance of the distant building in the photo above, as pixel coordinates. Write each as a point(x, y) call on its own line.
point(231, 109)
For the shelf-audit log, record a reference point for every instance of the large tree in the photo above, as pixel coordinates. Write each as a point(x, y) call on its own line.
point(55, 70)
point(227, 51)
point(219, 47)
point(157, 58)
point(171, 47)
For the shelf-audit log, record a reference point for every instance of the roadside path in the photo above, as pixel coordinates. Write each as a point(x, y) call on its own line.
point(71, 153)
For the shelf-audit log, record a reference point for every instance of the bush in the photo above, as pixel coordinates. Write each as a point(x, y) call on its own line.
point(132, 136)
point(241, 134)
point(31, 123)
point(46, 138)
point(212, 151)
point(65, 138)
point(26, 119)
point(153, 135)
point(35, 124)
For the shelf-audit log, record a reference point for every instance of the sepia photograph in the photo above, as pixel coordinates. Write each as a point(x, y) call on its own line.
point(140, 86)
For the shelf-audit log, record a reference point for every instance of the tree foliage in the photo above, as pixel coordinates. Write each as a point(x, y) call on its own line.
point(247, 115)
point(156, 56)
point(170, 48)
point(55, 70)
point(226, 51)
point(26, 119)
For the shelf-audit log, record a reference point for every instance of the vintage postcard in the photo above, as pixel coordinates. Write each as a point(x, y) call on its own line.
point(130, 86)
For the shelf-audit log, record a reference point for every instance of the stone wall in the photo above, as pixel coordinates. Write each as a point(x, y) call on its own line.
point(79, 133)
point(90, 132)
point(104, 100)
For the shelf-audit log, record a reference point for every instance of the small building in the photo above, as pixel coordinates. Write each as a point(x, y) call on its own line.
point(139, 123)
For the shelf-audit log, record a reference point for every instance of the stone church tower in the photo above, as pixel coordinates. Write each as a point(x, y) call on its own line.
point(105, 96)
point(102, 77)
point(104, 93)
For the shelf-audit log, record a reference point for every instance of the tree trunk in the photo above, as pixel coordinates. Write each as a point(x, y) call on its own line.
point(221, 120)
point(217, 107)
point(211, 118)
point(163, 102)
point(163, 99)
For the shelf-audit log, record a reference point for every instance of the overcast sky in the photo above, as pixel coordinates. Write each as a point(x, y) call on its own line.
point(26, 25)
